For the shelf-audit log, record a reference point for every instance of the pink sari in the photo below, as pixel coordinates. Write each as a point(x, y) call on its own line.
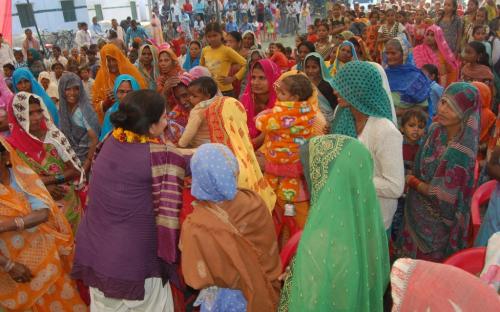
point(427, 286)
point(272, 73)
point(5, 99)
point(423, 54)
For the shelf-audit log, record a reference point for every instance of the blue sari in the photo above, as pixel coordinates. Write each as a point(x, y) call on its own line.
point(189, 63)
point(25, 74)
point(107, 127)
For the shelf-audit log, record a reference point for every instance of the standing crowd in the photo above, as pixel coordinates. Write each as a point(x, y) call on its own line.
point(166, 168)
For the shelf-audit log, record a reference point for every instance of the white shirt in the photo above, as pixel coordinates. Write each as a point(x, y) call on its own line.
point(385, 143)
point(6, 55)
point(82, 38)
point(120, 32)
point(61, 59)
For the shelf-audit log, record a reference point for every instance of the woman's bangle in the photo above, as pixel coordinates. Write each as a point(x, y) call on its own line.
point(9, 265)
point(19, 221)
point(414, 182)
point(60, 178)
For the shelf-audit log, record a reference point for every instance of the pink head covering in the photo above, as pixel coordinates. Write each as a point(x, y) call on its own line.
point(5, 94)
point(272, 73)
point(423, 54)
point(200, 71)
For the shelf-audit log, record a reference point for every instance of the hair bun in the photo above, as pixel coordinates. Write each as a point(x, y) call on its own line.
point(118, 118)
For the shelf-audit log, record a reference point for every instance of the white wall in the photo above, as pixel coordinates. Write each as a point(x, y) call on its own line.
point(119, 9)
point(48, 15)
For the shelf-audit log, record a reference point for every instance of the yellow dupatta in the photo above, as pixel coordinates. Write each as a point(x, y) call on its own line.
point(227, 122)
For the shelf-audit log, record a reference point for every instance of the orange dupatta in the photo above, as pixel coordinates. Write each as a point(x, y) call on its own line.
point(488, 118)
point(47, 249)
point(104, 81)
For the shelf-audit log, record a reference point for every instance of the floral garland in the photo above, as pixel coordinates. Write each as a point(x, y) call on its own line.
point(126, 136)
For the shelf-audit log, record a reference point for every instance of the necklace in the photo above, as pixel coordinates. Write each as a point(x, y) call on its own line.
point(126, 136)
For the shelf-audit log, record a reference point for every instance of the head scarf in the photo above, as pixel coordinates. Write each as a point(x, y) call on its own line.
point(149, 77)
point(255, 43)
point(347, 34)
point(410, 82)
point(405, 46)
point(272, 73)
point(419, 285)
point(24, 73)
point(361, 85)
point(52, 89)
point(177, 68)
point(325, 73)
point(488, 118)
point(107, 127)
point(67, 126)
point(179, 115)
point(387, 88)
point(199, 71)
point(344, 218)
point(104, 80)
point(423, 54)
point(337, 64)
point(190, 63)
point(5, 94)
point(36, 56)
point(477, 72)
point(215, 172)
point(21, 139)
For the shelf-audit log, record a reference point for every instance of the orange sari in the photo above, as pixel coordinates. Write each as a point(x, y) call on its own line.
point(104, 81)
point(47, 249)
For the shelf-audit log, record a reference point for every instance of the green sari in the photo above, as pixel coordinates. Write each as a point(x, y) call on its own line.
point(342, 261)
point(52, 165)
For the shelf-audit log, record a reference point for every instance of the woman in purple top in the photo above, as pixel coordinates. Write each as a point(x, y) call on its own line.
point(130, 229)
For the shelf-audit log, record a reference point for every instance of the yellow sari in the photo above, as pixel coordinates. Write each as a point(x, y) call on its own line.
point(227, 121)
point(46, 249)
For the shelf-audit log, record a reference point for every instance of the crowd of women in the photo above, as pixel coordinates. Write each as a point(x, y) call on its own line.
point(166, 187)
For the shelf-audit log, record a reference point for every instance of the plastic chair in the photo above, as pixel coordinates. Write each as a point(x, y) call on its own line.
point(290, 249)
point(470, 260)
point(480, 197)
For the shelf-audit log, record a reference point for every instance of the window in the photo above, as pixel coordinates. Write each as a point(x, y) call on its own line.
point(133, 8)
point(26, 16)
point(68, 8)
point(98, 12)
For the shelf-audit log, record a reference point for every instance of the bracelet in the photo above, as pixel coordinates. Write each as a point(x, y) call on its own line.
point(8, 266)
point(60, 178)
point(414, 182)
point(19, 221)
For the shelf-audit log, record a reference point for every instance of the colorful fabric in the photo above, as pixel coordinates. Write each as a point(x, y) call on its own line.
point(175, 71)
point(324, 48)
point(52, 89)
point(107, 127)
point(77, 136)
point(445, 60)
point(232, 244)
point(325, 105)
point(156, 30)
point(5, 94)
point(227, 123)
point(371, 41)
point(149, 76)
point(359, 83)
point(407, 80)
point(334, 68)
point(105, 80)
point(47, 249)
point(476, 72)
point(179, 115)
point(488, 118)
point(272, 73)
point(436, 226)
point(168, 171)
point(214, 171)
point(43, 156)
point(344, 219)
point(426, 286)
point(490, 223)
point(24, 74)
